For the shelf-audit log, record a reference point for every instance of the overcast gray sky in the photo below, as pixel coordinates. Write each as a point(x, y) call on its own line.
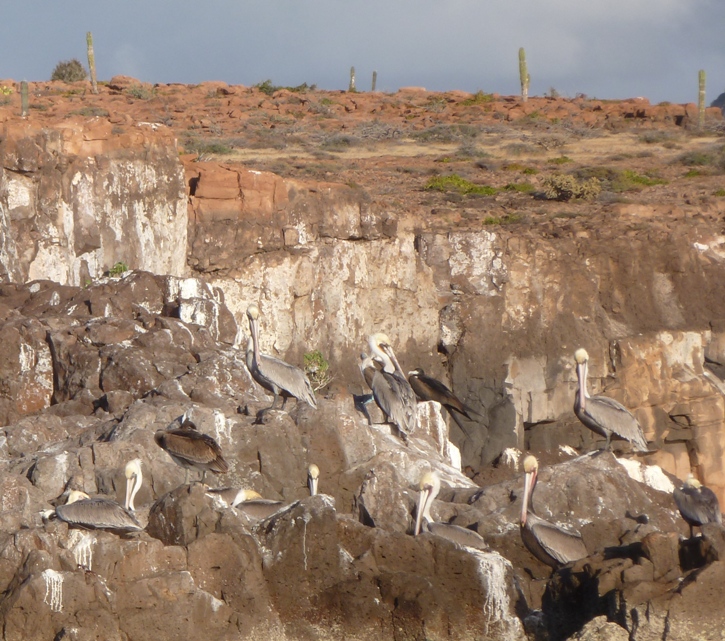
point(602, 48)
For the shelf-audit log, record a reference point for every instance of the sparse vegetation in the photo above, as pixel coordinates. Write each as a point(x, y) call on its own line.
point(317, 369)
point(69, 71)
point(140, 93)
point(559, 160)
point(567, 187)
point(91, 112)
point(266, 87)
point(523, 188)
point(455, 183)
point(446, 133)
point(501, 220)
point(118, 269)
point(478, 98)
point(719, 193)
point(617, 180)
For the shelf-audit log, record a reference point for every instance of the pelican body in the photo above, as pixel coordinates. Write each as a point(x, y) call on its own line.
point(430, 485)
point(247, 501)
point(192, 449)
point(604, 415)
point(103, 513)
point(698, 504)
point(273, 374)
point(391, 390)
point(549, 543)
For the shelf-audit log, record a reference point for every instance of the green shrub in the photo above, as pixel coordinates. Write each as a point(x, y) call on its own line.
point(719, 193)
point(118, 269)
point(69, 71)
point(479, 98)
point(454, 182)
point(524, 188)
point(317, 369)
point(560, 160)
point(567, 187)
point(141, 93)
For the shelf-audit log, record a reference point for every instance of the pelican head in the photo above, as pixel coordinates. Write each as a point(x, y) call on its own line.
point(313, 476)
point(76, 495)
point(430, 485)
point(531, 470)
point(581, 356)
point(692, 482)
point(380, 346)
point(134, 478)
point(253, 312)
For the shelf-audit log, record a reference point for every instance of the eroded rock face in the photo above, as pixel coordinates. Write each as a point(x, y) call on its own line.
point(78, 199)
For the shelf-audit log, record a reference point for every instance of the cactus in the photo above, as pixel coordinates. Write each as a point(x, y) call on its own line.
point(91, 62)
point(352, 79)
point(24, 100)
point(523, 75)
point(375, 80)
point(701, 100)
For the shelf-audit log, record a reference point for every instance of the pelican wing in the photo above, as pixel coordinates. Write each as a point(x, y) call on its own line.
point(458, 535)
point(698, 505)
point(98, 513)
point(259, 508)
point(559, 544)
point(612, 416)
point(286, 377)
point(191, 448)
point(431, 389)
point(397, 399)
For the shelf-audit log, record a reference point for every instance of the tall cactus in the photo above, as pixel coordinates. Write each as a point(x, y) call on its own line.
point(375, 80)
point(352, 79)
point(92, 62)
point(701, 100)
point(24, 99)
point(523, 75)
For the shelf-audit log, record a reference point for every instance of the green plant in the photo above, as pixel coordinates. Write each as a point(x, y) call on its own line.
point(501, 220)
point(559, 160)
point(91, 62)
point(454, 182)
point(140, 93)
point(524, 188)
point(6, 91)
point(524, 76)
point(69, 71)
point(118, 269)
point(91, 112)
point(701, 99)
point(317, 369)
point(719, 193)
point(694, 173)
point(478, 98)
point(567, 187)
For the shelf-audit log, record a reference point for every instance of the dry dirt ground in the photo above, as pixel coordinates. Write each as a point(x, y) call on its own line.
point(493, 153)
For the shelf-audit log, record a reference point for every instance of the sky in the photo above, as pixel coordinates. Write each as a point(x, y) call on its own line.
point(608, 49)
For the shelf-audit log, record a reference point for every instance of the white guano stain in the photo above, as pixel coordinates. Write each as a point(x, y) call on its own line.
point(650, 475)
point(53, 590)
point(494, 571)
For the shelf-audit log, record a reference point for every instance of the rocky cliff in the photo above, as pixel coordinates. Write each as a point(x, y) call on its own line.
point(94, 363)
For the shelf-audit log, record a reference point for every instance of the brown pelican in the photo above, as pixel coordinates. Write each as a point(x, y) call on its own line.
point(428, 388)
point(430, 485)
point(313, 476)
point(276, 376)
point(697, 504)
point(604, 415)
point(549, 543)
point(98, 513)
point(192, 449)
point(390, 388)
point(247, 501)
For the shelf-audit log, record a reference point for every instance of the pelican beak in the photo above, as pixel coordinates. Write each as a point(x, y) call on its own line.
point(423, 497)
point(529, 481)
point(312, 485)
point(581, 374)
point(130, 482)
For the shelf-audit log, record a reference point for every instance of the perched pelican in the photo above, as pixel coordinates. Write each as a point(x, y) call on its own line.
point(547, 542)
point(391, 390)
point(697, 504)
point(247, 501)
point(192, 449)
point(98, 513)
point(428, 388)
point(604, 415)
point(313, 476)
point(276, 376)
point(430, 485)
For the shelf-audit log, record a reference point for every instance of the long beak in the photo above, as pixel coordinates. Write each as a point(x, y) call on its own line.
point(581, 374)
point(128, 504)
point(312, 484)
point(529, 480)
point(422, 500)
